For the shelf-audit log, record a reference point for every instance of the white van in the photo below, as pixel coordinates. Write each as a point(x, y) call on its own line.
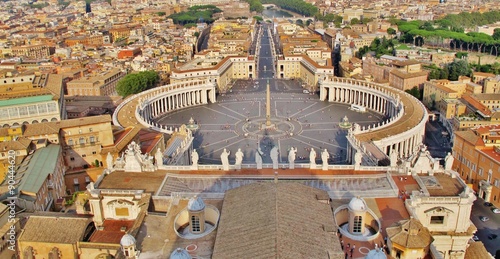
point(358, 108)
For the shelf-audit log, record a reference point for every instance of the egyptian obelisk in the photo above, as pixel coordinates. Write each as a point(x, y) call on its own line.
point(268, 105)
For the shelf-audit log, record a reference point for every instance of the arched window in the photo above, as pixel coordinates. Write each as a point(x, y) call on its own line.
point(195, 224)
point(357, 224)
point(29, 253)
point(55, 253)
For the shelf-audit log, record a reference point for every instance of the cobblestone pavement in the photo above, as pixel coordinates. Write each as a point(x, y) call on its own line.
point(300, 120)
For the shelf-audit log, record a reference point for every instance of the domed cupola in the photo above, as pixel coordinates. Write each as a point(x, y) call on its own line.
point(180, 253)
point(196, 204)
point(357, 204)
point(377, 253)
point(127, 244)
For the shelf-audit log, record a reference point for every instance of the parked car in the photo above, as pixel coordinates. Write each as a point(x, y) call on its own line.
point(496, 210)
point(475, 238)
point(488, 204)
point(484, 218)
point(492, 236)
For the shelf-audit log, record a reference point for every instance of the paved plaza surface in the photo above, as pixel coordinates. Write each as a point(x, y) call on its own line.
point(300, 120)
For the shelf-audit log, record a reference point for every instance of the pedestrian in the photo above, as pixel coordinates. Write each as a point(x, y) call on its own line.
point(342, 244)
point(348, 246)
point(385, 240)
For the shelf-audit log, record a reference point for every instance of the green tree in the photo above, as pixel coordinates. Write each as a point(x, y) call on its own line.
point(161, 13)
point(496, 34)
point(391, 31)
point(136, 83)
point(355, 20)
point(458, 68)
point(415, 92)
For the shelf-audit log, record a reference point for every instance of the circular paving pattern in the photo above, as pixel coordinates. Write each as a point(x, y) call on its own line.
point(298, 120)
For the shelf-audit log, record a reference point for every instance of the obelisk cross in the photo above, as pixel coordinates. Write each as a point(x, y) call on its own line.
point(268, 105)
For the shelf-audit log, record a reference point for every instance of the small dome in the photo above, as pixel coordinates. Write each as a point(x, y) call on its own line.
point(357, 204)
point(377, 253)
point(180, 253)
point(196, 204)
point(127, 240)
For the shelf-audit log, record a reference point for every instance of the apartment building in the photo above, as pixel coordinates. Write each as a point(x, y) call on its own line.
point(477, 160)
point(31, 51)
point(101, 84)
point(215, 69)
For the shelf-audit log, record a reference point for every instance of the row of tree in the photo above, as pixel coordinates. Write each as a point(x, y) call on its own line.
point(255, 5)
point(296, 6)
point(195, 14)
point(137, 82)
point(449, 32)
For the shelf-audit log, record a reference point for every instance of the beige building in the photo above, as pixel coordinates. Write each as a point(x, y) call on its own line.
point(103, 84)
point(477, 161)
point(42, 102)
point(492, 85)
point(31, 51)
point(437, 91)
point(304, 68)
point(220, 71)
point(443, 204)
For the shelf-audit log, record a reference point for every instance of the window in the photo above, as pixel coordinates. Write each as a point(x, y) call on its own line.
point(92, 139)
point(70, 142)
point(357, 226)
point(87, 179)
point(82, 141)
point(72, 158)
point(195, 224)
point(75, 181)
point(90, 129)
point(480, 171)
point(437, 219)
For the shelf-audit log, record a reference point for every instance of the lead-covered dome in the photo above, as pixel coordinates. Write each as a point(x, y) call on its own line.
point(377, 253)
point(357, 204)
point(180, 253)
point(127, 240)
point(196, 204)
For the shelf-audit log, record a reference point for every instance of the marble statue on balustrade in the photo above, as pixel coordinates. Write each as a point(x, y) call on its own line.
point(158, 157)
point(448, 161)
point(109, 161)
point(239, 158)
point(291, 157)
point(324, 158)
point(119, 162)
point(357, 160)
point(258, 158)
point(194, 159)
point(393, 157)
point(132, 158)
point(274, 157)
point(312, 159)
point(224, 157)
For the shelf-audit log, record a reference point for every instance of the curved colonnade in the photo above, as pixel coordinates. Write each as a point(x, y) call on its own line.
point(153, 103)
point(402, 132)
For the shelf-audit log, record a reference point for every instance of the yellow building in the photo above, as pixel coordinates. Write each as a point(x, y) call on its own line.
point(31, 51)
point(103, 84)
point(53, 237)
point(476, 152)
point(207, 66)
point(492, 85)
point(436, 91)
